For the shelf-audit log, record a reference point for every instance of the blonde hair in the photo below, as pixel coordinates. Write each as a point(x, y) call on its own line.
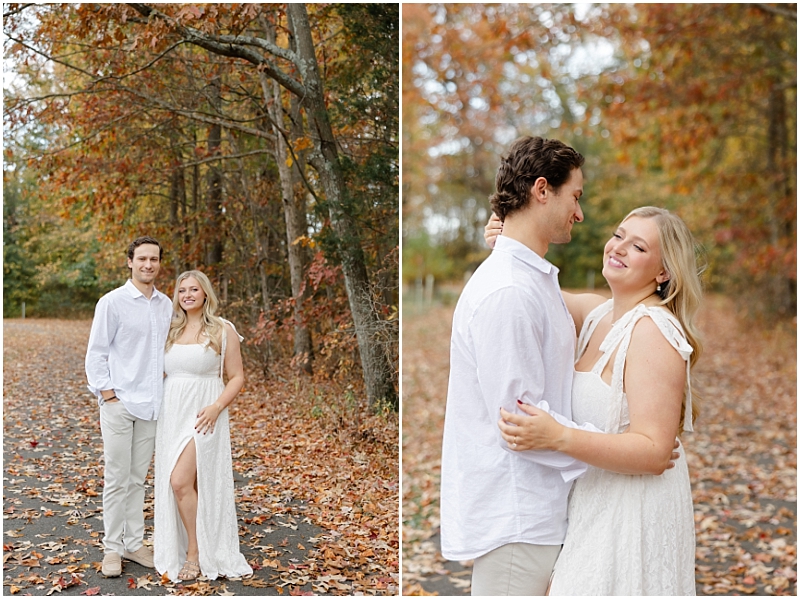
point(683, 292)
point(212, 324)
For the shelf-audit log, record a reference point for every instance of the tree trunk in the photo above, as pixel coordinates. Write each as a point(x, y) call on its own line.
point(296, 226)
point(374, 361)
point(378, 372)
point(261, 246)
point(783, 290)
point(177, 195)
point(214, 198)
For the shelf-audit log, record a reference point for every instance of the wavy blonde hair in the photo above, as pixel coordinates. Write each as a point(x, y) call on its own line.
point(683, 292)
point(212, 325)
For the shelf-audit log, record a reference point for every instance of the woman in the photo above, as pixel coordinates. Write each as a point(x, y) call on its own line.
point(631, 523)
point(195, 514)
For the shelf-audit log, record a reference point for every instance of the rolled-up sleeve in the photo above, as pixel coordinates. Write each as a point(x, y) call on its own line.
point(104, 327)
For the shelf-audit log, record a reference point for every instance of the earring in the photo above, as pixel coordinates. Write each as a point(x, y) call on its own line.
point(658, 289)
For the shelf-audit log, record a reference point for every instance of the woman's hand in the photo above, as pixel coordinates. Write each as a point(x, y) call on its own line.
point(207, 418)
point(492, 229)
point(538, 430)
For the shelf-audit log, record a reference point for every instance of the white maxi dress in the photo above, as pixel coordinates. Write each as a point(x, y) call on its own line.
point(627, 534)
point(193, 381)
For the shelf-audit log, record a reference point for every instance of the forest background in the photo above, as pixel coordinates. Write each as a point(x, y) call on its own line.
point(688, 107)
point(257, 142)
point(692, 107)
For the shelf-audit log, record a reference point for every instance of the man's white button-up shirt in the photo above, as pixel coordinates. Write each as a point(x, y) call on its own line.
point(512, 338)
point(126, 348)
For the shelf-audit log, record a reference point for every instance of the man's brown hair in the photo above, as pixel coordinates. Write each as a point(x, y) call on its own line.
point(144, 241)
point(528, 159)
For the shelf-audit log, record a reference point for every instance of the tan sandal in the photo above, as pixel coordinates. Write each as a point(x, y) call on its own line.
point(190, 571)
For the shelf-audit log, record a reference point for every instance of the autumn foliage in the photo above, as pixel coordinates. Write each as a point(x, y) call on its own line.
point(692, 107)
point(257, 142)
point(713, 102)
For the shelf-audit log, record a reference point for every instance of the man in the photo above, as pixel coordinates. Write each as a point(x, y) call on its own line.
point(513, 339)
point(125, 370)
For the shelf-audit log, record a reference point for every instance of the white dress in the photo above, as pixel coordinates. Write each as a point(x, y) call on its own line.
point(627, 534)
point(194, 380)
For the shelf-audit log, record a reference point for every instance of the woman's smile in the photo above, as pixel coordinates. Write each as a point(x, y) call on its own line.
point(616, 263)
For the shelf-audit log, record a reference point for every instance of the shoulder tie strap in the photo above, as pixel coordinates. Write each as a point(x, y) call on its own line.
point(589, 325)
point(620, 335)
point(224, 347)
point(225, 344)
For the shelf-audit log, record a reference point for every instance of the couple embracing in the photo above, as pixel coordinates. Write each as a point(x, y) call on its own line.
point(564, 408)
point(156, 367)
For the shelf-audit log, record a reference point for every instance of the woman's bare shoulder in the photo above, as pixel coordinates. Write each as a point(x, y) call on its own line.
point(230, 331)
point(649, 343)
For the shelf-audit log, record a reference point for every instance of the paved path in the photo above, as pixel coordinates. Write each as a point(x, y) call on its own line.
point(742, 459)
point(52, 487)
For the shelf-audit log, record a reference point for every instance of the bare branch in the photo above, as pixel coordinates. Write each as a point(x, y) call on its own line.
point(192, 114)
point(53, 58)
point(15, 105)
point(11, 13)
point(197, 115)
point(247, 40)
point(94, 134)
point(226, 46)
point(776, 10)
point(149, 64)
point(219, 157)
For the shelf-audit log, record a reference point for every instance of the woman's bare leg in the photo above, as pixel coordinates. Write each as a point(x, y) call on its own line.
point(184, 485)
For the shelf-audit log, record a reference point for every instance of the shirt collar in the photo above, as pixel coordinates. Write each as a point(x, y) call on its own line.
point(523, 252)
point(134, 291)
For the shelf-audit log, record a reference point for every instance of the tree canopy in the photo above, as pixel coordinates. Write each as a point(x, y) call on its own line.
point(691, 107)
point(258, 142)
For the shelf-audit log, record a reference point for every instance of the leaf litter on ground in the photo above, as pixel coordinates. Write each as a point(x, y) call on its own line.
point(742, 458)
point(309, 459)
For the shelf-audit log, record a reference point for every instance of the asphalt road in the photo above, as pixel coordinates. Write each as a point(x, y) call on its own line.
point(52, 491)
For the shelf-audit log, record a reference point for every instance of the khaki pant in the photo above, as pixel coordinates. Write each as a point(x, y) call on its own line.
point(128, 444)
point(514, 569)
